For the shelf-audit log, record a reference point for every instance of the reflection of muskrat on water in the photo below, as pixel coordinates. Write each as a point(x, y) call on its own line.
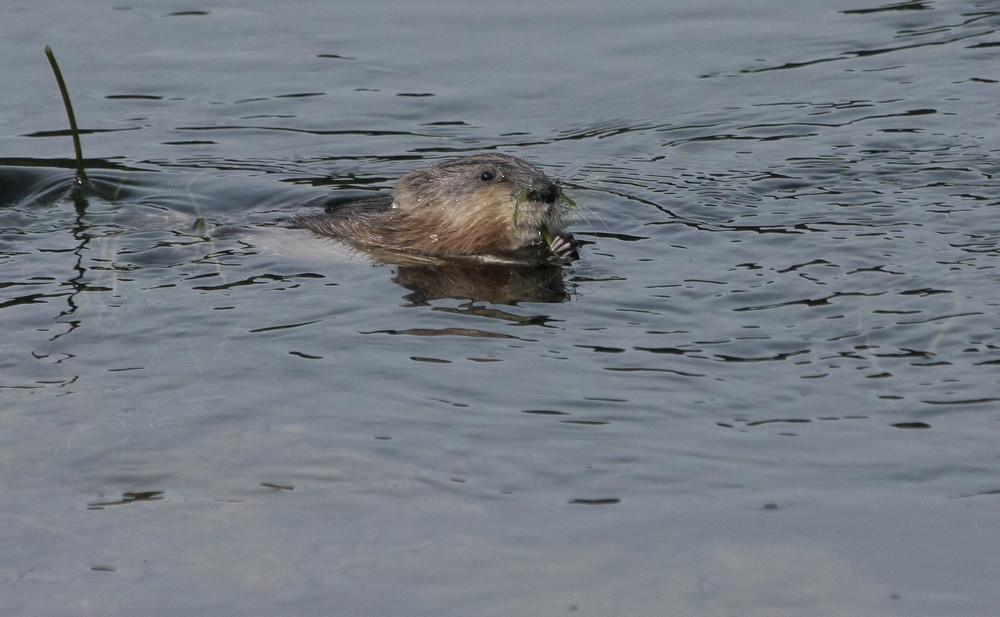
point(489, 207)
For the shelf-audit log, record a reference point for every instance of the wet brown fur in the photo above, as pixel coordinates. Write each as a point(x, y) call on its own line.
point(485, 204)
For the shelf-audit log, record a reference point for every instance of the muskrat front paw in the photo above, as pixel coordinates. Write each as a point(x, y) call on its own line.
point(563, 248)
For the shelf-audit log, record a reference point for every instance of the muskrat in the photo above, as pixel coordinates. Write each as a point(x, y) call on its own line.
point(490, 207)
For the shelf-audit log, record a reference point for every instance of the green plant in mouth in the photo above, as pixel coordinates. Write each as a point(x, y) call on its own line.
point(520, 198)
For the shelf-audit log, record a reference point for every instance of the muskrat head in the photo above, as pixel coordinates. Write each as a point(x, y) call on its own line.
point(485, 203)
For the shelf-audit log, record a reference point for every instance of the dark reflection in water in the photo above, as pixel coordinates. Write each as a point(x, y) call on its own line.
point(499, 284)
point(127, 498)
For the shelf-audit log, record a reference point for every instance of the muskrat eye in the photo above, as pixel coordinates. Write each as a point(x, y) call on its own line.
point(487, 175)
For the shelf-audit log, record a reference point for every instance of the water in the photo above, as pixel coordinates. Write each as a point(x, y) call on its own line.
point(769, 387)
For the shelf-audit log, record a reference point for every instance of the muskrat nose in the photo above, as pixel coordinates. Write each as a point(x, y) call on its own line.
point(546, 193)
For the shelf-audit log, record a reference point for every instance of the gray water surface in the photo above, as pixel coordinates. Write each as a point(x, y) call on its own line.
point(769, 387)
